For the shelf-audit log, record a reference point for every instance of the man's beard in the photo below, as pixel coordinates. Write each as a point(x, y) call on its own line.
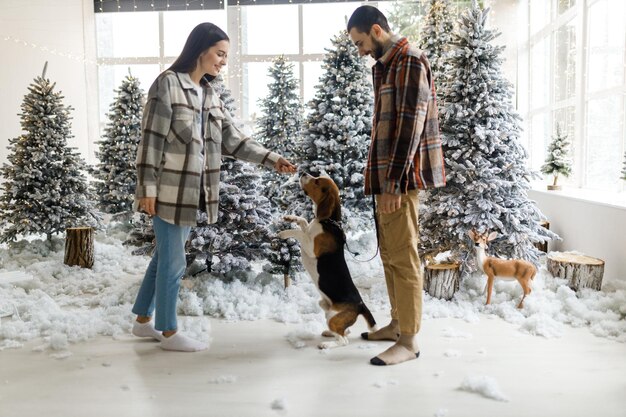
point(377, 48)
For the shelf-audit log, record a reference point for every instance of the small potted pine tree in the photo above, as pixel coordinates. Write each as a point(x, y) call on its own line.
point(558, 161)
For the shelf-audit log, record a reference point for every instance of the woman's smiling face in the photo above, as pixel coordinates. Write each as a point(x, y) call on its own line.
point(213, 59)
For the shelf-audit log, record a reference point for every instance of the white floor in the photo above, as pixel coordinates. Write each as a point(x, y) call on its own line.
point(576, 375)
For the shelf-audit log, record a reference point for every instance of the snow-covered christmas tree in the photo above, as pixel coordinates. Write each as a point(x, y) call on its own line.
point(338, 128)
point(404, 19)
point(486, 165)
point(224, 93)
point(141, 235)
point(436, 35)
point(45, 189)
point(284, 256)
point(115, 174)
point(280, 126)
point(624, 169)
point(558, 161)
point(242, 231)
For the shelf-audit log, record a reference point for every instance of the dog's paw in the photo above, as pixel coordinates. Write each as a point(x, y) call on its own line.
point(290, 218)
point(325, 305)
point(284, 234)
point(327, 345)
point(339, 341)
point(328, 333)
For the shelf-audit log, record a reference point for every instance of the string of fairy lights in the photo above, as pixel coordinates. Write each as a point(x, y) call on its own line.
point(189, 5)
point(155, 5)
point(52, 51)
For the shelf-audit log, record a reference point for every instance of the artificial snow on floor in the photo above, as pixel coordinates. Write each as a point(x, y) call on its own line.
point(64, 305)
point(484, 385)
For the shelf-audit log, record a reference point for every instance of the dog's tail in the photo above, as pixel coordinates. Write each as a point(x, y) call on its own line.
point(367, 315)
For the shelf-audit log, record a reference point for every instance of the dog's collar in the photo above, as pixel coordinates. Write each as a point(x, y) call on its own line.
point(331, 222)
point(334, 224)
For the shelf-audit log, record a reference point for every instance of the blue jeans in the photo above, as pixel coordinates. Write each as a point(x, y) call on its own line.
point(162, 279)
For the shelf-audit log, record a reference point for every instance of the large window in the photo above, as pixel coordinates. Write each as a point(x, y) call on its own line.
point(317, 36)
point(255, 80)
point(565, 61)
point(118, 36)
point(262, 34)
point(177, 25)
point(299, 36)
point(605, 45)
point(147, 42)
point(572, 57)
point(605, 142)
point(144, 43)
point(540, 74)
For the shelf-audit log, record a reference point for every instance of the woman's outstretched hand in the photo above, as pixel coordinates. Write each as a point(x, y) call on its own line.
point(284, 166)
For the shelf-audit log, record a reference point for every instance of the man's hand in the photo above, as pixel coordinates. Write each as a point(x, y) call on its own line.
point(148, 205)
point(284, 166)
point(388, 203)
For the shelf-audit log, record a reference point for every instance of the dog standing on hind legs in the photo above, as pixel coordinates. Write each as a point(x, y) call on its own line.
point(507, 269)
point(321, 243)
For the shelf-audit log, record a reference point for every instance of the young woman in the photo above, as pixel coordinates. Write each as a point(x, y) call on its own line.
point(185, 132)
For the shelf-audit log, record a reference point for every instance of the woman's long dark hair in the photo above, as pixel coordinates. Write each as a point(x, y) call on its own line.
point(201, 38)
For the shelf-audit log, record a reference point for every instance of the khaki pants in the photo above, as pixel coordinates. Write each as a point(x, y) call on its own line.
point(398, 235)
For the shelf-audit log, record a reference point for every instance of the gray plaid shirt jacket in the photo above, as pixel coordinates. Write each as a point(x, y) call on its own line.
point(173, 156)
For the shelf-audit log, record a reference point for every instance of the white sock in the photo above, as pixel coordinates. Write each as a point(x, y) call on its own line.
point(182, 343)
point(146, 330)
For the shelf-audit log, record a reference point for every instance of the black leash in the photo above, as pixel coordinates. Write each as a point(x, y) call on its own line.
point(337, 225)
point(377, 232)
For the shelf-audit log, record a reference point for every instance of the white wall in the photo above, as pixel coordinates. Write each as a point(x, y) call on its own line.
point(66, 26)
point(595, 229)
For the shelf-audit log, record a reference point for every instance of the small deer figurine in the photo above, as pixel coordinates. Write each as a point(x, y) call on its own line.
point(507, 269)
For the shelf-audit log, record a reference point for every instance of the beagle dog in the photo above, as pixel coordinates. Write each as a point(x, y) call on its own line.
point(321, 243)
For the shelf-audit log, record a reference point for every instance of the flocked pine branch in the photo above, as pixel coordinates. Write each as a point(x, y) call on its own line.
point(115, 174)
point(338, 128)
point(242, 232)
point(436, 35)
point(279, 128)
point(45, 189)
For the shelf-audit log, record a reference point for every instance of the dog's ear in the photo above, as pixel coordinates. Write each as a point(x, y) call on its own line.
point(326, 207)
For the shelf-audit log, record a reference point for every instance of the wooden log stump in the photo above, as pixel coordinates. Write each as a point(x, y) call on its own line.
point(79, 246)
point(442, 280)
point(580, 271)
point(543, 246)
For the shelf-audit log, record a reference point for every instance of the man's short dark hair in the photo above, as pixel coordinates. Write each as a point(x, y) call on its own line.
point(365, 17)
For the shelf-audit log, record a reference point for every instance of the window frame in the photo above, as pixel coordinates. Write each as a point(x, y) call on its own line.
point(580, 101)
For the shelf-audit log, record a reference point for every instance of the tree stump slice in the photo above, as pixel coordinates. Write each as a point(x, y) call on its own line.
point(580, 271)
point(442, 280)
point(79, 246)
